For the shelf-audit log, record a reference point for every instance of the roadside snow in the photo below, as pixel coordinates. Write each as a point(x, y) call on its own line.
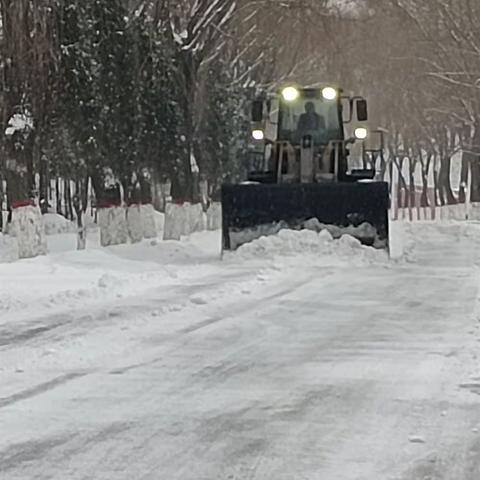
point(67, 279)
point(284, 360)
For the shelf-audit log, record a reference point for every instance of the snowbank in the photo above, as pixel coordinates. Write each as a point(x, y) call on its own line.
point(67, 278)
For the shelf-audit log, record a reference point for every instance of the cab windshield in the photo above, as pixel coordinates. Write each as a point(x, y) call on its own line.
point(309, 115)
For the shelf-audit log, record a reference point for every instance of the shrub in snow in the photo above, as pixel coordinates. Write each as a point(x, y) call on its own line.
point(113, 226)
point(214, 216)
point(28, 228)
point(134, 223)
point(148, 221)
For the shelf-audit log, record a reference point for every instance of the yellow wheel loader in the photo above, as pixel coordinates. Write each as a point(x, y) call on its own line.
point(302, 173)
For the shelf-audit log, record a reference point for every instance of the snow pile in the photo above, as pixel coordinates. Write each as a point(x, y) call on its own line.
point(56, 224)
point(246, 235)
point(307, 243)
point(365, 232)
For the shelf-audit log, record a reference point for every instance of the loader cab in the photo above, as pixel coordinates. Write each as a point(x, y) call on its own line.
point(310, 115)
point(301, 134)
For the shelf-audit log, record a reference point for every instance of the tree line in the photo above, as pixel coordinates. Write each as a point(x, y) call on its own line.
point(127, 93)
point(119, 92)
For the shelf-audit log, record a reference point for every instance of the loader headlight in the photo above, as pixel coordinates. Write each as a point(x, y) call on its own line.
point(361, 133)
point(329, 93)
point(290, 94)
point(258, 134)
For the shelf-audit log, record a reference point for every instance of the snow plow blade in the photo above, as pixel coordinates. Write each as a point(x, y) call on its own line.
point(360, 209)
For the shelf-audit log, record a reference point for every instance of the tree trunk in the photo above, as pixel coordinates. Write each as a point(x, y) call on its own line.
point(437, 193)
point(402, 185)
point(424, 202)
point(475, 170)
point(444, 180)
point(412, 190)
point(58, 196)
point(464, 176)
point(44, 183)
point(111, 215)
point(189, 74)
point(18, 191)
point(132, 194)
point(68, 200)
point(474, 157)
point(2, 199)
point(81, 230)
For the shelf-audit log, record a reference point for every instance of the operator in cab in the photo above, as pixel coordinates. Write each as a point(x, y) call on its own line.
point(311, 123)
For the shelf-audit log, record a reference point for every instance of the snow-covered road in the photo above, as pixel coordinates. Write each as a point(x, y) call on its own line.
point(250, 368)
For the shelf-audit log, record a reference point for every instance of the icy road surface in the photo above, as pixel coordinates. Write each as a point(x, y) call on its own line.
point(261, 369)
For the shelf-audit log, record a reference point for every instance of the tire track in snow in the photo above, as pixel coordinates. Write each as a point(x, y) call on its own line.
point(40, 388)
point(228, 315)
point(35, 330)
